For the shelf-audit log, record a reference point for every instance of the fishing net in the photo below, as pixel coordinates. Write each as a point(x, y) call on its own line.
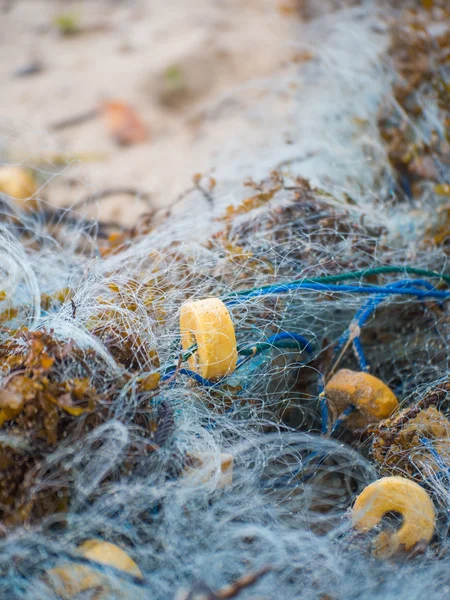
point(329, 254)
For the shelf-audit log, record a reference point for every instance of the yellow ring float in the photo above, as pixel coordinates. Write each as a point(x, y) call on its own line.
point(70, 580)
point(207, 323)
point(19, 184)
point(371, 397)
point(395, 494)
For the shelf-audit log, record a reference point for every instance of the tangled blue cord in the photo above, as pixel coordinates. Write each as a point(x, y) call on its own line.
point(387, 290)
point(360, 319)
point(283, 339)
point(280, 340)
point(408, 287)
point(366, 311)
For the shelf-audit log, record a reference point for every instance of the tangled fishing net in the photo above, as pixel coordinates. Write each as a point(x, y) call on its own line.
point(331, 258)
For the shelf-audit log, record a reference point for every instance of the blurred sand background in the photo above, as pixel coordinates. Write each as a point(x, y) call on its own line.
point(187, 67)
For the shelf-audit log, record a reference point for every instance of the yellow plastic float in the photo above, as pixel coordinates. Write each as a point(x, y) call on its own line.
point(70, 580)
point(207, 323)
point(372, 398)
point(18, 183)
point(395, 494)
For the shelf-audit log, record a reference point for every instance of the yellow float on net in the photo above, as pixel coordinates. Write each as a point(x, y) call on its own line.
point(18, 183)
point(70, 580)
point(372, 398)
point(400, 495)
point(207, 324)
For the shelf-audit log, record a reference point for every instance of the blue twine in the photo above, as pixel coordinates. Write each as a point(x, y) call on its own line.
point(193, 375)
point(324, 415)
point(296, 337)
point(348, 411)
point(400, 287)
point(392, 289)
point(361, 317)
point(294, 340)
point(272, 341)
point(359, 351)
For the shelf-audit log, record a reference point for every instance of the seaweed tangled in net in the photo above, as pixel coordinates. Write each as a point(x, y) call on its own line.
point(105, 428)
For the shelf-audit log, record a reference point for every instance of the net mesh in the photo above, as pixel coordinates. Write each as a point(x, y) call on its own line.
point(334, 258)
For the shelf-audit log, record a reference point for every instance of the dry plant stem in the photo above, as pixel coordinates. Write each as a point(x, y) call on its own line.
point(354, 332)
point(84, 117)
point(333, 368)
point(232, 590)
point(206, 194)
point(296, 159)
point(108, 192)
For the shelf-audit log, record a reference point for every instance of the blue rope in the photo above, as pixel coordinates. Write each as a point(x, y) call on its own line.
point(359, 351)
point(403, 287)
point(389, 290)
point(296, 337)
point(348, 411)
point(324, 415)
point(361, 317)
point(296, 340)
point(193, 375)
point(284, 339)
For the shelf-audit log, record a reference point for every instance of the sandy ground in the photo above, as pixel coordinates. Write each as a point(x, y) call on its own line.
point(131, 50)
